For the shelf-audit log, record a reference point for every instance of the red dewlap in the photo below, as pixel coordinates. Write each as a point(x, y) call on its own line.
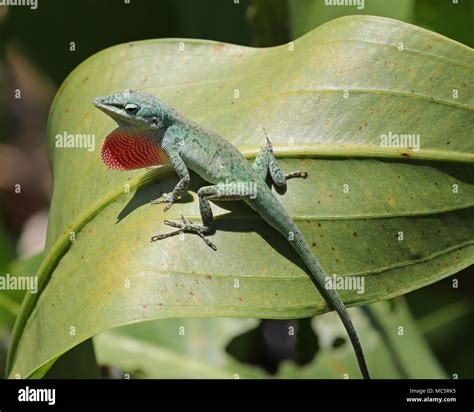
point(122, 150)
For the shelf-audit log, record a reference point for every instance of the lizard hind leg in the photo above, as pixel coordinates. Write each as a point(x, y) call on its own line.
point(260, 164)
point(277, 175)
point(205, 193)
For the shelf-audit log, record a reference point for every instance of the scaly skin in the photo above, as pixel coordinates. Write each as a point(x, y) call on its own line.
point(150, 133)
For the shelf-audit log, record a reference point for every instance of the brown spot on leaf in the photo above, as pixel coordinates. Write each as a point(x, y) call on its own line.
point(218, 47)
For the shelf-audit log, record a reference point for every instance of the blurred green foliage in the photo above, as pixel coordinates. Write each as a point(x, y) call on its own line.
point(46, 33)
point(448, 18)
point(226, 348)
point(10, 300)
point(304, 15)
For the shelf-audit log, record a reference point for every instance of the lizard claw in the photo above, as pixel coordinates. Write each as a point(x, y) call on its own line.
point(291, 175)
point(185, 226)
point(165, 198)
point(159, 237)
point(168, 206)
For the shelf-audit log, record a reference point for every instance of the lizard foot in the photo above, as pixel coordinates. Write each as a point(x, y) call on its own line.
point(165, 198)
point(185, 226)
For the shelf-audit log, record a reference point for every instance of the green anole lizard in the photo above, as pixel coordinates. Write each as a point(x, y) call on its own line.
point(151, 133)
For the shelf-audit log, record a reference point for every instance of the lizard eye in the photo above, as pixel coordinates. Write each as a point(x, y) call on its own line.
point(131, 108)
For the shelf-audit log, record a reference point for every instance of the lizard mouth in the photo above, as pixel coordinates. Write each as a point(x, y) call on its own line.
point(126, 150)
point(115, 112)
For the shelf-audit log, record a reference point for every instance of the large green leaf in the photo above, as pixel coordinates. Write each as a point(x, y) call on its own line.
point(112, 275)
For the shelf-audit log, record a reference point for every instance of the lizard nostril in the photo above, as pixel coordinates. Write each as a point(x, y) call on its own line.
point(97, 101)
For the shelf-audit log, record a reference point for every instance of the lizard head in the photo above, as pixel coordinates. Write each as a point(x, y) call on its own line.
point(142, 120)
point(134, 109)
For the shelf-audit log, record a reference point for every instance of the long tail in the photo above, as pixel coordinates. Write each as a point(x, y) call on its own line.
point(333, 298)
point(277, 217)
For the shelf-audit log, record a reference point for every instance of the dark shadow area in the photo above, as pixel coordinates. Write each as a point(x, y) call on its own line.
point(153, 191)
point(338, 342)
point(307, 342)
point(227, 223)
point(445, 317)
point(95, 25)
point(274, 341)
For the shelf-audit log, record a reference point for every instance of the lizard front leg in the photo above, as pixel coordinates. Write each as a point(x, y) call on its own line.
point(205, 193)
point(182, 172)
